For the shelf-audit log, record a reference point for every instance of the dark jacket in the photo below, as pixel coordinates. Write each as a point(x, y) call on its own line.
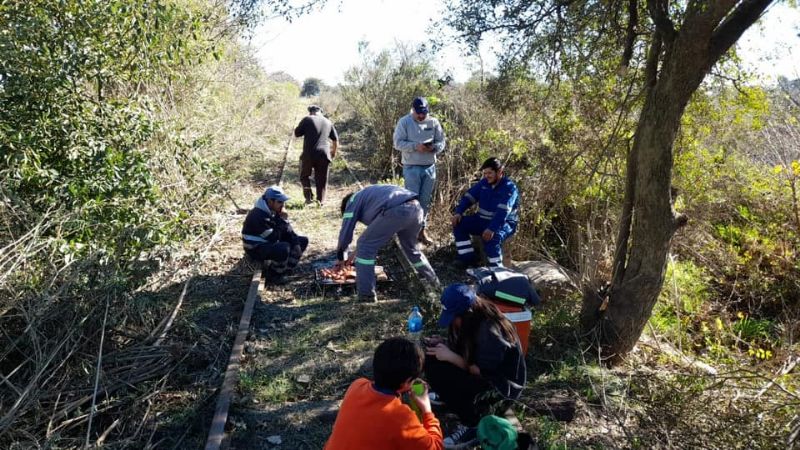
point(263, 225)
point(316, 130)
point(500, 361)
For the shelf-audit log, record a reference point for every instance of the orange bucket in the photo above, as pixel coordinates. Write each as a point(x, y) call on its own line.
point(520, 317)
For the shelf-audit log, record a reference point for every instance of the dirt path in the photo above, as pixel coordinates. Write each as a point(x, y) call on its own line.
point(307, 343)
point(310, 342)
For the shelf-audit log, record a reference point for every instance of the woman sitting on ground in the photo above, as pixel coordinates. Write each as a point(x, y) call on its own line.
point(479, 366)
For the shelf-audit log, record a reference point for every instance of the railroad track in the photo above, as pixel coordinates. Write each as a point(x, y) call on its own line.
point(286, 155)
point(216, 432)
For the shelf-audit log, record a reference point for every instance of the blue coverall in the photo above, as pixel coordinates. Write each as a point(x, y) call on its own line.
point(498, 207)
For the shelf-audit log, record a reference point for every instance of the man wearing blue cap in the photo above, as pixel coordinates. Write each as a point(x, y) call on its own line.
point(419, 138)
point(268, 236)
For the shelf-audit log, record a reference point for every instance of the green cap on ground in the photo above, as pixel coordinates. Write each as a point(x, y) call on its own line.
point(496, 433)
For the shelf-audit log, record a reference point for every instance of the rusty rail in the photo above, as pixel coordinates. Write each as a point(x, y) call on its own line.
point(286, 154)
point(217, 431)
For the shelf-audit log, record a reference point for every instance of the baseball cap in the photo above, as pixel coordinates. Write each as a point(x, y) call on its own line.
point(275, 193)
point(456, 299)
point(420, 105)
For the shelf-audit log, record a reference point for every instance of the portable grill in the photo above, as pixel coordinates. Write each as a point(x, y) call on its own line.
point(380, 275)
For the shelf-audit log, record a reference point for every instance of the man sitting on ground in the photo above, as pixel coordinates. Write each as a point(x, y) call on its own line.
point(268, 236)
point(386, 210)
point(372, 416)
point(498, 202)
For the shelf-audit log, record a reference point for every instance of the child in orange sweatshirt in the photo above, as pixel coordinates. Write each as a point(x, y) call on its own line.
point(372, 416)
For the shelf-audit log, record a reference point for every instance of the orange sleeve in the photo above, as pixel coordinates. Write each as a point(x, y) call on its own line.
point(434, 429)
point(417, 436)
point(393, 425)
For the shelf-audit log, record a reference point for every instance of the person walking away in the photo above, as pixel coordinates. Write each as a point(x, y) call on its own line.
point(496, 220)
point(479, 366)
point(386, 210)
point(320, 142)
point(372, 416)
point(419, 138)
point(268, 237)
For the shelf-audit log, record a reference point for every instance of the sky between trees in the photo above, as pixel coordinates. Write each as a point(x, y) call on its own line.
point(324, 44)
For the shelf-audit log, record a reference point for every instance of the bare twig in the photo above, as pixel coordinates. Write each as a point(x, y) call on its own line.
point(102, 439)
point(787, 368)
point(167, 322)
point(98, 368)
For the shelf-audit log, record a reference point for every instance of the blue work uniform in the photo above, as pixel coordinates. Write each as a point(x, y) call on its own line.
point(386, 210)
point(498, 207)
point(267, 237)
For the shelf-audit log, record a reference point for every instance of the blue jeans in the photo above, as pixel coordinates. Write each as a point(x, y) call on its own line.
point(420, 179)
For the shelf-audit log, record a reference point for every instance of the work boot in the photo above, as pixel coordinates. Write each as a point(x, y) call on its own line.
point(423, 239)
point(274, 278)
point(368, 298)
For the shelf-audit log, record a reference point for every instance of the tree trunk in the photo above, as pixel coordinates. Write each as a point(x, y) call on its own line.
point(648, 222)
point(652, 226)
point(631, 301)
point(647, 227)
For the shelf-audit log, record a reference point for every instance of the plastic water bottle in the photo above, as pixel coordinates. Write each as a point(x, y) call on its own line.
point(415, 325)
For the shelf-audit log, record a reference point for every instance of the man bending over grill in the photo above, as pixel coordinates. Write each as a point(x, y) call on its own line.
point(386, 210)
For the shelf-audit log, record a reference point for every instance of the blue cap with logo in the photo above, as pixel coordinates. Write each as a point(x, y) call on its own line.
point(420, 105)
point(275, 193)
point(456, 299)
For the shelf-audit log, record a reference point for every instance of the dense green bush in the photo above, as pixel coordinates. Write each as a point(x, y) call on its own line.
point(379, 91)
point(74, 124)
point(114, 133)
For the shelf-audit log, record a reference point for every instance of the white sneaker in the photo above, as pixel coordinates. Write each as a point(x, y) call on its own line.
point(462, 437)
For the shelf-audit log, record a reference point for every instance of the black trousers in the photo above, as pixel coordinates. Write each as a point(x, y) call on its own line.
point(320, 167)
point(283, 254)
point(468, 396)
